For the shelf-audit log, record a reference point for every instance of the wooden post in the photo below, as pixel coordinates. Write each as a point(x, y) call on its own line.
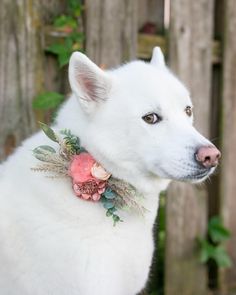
point(111, 31)
point(20, 68)
point(228, 183)
point(190, 58)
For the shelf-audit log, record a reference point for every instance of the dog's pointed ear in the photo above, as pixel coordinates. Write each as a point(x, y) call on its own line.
point(157, 57)
point(88, 82)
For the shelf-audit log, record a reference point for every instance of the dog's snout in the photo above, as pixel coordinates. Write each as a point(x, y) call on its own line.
point(208, 156)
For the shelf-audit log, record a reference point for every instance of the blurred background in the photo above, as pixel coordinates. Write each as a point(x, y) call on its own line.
point(196, 227)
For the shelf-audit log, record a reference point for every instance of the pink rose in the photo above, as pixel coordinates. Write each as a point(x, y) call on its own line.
point(86, 185)
point(99, 172)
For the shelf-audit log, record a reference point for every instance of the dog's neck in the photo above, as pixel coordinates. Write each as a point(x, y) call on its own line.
point(130, 172)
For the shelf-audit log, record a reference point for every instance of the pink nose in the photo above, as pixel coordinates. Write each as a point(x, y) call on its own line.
point(208, 156)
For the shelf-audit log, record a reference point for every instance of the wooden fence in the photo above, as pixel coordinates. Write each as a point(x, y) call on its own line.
point(198, 38)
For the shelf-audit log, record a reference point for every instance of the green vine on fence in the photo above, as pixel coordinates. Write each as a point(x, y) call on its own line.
point(213, 248)
point(73, 40)
point(70, 24)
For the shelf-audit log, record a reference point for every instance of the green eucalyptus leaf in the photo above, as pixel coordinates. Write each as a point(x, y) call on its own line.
point(112, 210)
point(42, 149)
point(108, 205)
point(48, 131)
point(108, 213)
point(116, 219)
point(66, 132)
point(82, 150)
point(109, 194)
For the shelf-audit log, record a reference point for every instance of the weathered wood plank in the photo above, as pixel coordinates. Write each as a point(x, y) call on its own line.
point(145, 45)
point(185, 220)
point(147, 42)
point(111, 31)
point(52, 8)
point(228, 183)
point(21, 70)
point(21, 66)
point(151, 11)
point(190, 58)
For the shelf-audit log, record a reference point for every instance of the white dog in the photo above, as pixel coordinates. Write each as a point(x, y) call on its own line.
point(137, 122)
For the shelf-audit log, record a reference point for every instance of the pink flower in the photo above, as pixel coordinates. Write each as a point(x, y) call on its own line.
point(99, 172)
point(87, 185)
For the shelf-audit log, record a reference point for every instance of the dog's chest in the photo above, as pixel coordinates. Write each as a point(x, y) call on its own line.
point(70, 254)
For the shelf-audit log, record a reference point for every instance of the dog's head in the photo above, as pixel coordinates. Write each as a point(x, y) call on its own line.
point(140, 116)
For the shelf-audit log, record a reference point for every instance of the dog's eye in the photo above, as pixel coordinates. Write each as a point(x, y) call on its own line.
point(152, 118)
point(189, 111)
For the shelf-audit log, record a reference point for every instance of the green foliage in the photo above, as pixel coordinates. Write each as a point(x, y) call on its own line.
point(72, 142)
point(75, 7)
point(217, 231)
point(108, 201)
point(64, 21)
point(48, 100)
point(64, 50)
point(109, 194)
point(42, 150)
point(74, 38)
point(48, 131)
point(212, 248)
point(73, 41)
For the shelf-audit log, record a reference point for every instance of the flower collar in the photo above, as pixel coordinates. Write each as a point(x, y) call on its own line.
point(90, 181)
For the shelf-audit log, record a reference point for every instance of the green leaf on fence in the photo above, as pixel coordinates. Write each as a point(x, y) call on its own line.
point(64, 58)
point(212, 248)
point(217, 232)
point(216, 253)
point(63, 51)
point(56, 48)
point(75, 7)
point(47, 100)
point(207, 250)
point(221, 257)
point(65, 21)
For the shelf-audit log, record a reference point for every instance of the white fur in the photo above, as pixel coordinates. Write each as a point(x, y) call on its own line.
point(55, 243)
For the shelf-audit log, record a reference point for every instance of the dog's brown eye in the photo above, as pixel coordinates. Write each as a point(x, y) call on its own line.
point(189, 111)
point(152, 118)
